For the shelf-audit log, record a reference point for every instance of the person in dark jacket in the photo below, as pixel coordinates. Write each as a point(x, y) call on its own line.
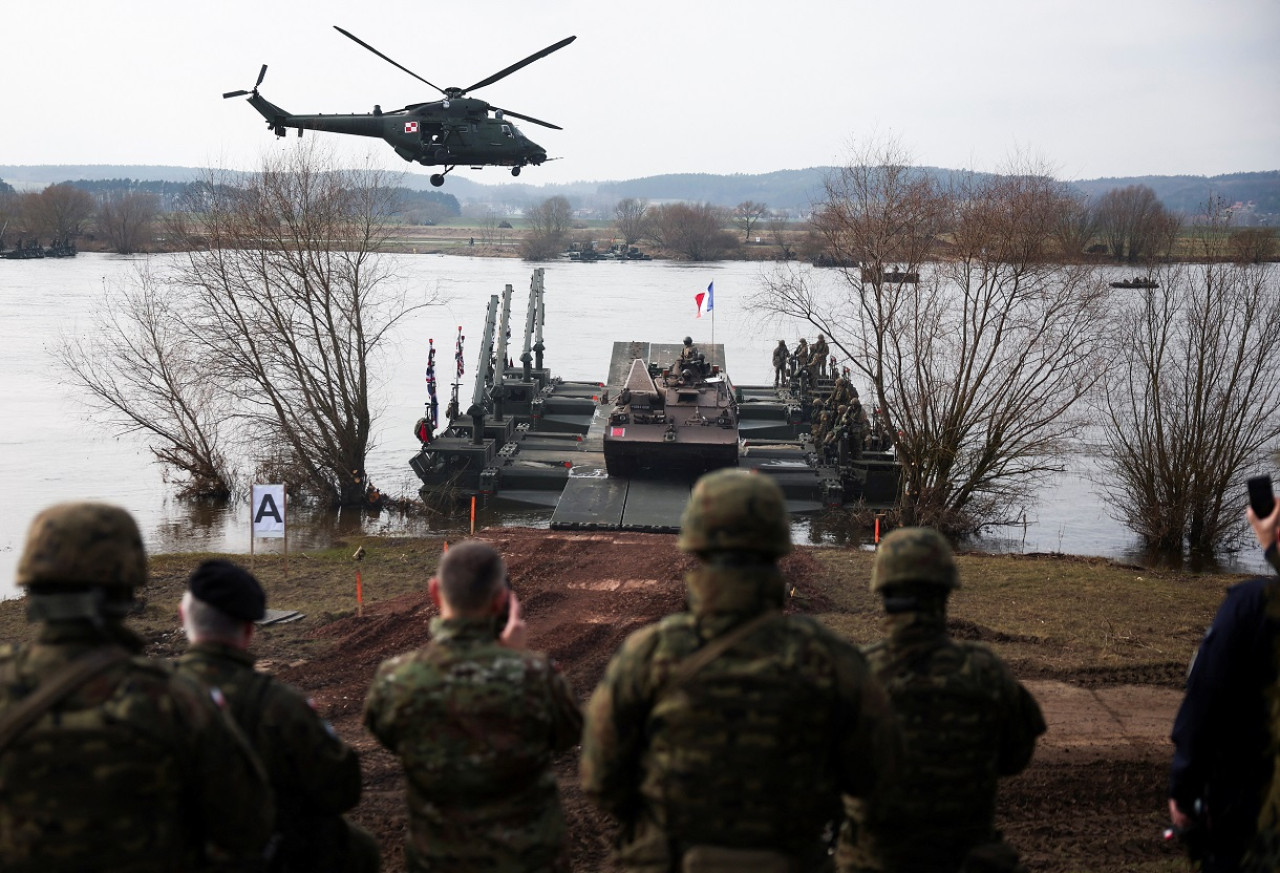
point(314, 774)
point(1222, 764)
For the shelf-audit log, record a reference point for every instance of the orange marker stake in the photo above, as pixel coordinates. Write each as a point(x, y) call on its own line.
point(446, 545)
point(473, 515)
point(359, 596)
point(877, 530)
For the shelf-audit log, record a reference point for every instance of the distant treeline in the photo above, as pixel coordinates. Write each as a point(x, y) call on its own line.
point(791, 192)
point(415, 207)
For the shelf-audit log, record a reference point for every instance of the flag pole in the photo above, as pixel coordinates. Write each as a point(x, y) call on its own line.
point(711, 301)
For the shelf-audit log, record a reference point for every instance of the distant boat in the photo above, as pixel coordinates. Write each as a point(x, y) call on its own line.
point(872, 274)
point(1139, 282)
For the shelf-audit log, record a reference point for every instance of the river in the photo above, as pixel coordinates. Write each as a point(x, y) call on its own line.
point(55, 448)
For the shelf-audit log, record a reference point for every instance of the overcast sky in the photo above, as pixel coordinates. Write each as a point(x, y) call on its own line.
point(1087, 87)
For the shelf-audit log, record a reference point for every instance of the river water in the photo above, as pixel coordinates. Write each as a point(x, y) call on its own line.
point(55, 448)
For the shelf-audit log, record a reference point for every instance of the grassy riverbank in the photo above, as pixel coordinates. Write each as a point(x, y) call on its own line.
point(1094, 612)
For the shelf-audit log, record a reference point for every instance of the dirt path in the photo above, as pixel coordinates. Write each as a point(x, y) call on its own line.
point(1092, 799)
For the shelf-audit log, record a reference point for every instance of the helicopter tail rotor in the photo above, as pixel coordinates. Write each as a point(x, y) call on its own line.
point(262, 74)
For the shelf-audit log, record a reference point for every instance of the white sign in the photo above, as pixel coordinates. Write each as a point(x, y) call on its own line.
point(267, 504)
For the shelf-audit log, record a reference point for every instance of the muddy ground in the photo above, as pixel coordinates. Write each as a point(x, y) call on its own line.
point(1093, 799)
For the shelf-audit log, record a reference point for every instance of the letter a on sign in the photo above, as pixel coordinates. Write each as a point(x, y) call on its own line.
point(268, 511)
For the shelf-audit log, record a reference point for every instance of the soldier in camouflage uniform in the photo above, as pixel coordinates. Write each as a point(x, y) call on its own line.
point(780, 357)
point(818, 354)
point(725, 735)
point(800, 357)
point(314, 774)
point(967, 722)
point(475, 719)
point(108, 760)
point(841, 391)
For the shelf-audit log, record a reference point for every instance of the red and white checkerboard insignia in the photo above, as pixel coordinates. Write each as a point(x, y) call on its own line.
point(411, 127)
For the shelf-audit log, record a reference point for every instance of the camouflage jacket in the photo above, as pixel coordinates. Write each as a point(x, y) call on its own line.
point(314, 774)
point(966, 721)
point(137, 770)
point(780, 355)
point(753, 751)
point(475, 725)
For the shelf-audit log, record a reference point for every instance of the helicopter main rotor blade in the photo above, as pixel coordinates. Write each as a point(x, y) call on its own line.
point(528, 118)
point(516, 66)
point(357, 39)
point(240, 93)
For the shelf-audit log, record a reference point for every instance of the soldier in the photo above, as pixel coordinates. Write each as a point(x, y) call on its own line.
point(818, 352)
point(109, 761)
point(800, 357)
point(966, 720)
point(689, 352)
point(314, 774)
point(475, 720)
point(725, 735)
point(780, 357)
point(856, 425)
point(821, 416)
point(840, 391)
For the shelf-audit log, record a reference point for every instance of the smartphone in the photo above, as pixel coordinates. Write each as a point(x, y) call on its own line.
point(505, 614)
point(1261, 498)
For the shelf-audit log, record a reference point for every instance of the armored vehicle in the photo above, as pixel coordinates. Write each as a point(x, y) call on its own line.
point(682, 420)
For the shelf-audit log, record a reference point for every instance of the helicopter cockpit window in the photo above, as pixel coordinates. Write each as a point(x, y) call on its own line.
point(506, 131)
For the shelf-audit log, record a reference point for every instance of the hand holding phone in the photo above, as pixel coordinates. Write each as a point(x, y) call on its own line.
point(1262, 504)
point(514, 633)
point(1261, 499)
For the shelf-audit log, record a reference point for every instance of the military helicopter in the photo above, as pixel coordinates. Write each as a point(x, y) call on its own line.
point(455, 131)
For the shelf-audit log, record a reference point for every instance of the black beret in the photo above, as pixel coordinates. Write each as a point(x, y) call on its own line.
point(230, 588)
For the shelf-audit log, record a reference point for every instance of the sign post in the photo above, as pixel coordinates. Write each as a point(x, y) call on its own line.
point(267, 507)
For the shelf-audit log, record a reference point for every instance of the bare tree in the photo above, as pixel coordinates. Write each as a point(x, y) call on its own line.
point(286, 303)
point(1076, 226)
point(979, 365)
point(1253, 245)
point(1135, 224)
point(747, 215)
point(140, 369)
point(692, 232)
point(632, 219)
point(126, 221)
point(1191, 406)
point(549, 225)
point(779, 232)
point(10, 213)
point(59, 212)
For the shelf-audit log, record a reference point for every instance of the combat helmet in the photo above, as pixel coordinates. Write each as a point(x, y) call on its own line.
point(733, 510)
point(688, 341)
point(79, 545)
point(917, 555)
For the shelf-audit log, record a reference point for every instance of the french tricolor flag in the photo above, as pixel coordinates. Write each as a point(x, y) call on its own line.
point(705, 300)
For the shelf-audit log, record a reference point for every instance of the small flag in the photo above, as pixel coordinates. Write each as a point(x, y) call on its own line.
point(457, 354)
point(705, 300)
point(433, 405)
